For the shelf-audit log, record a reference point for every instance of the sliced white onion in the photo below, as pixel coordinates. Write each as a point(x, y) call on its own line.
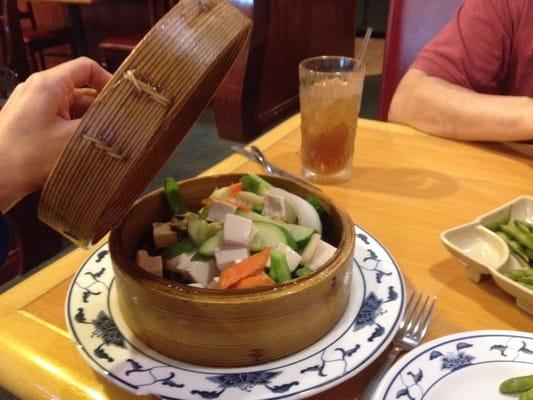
point(307, 215)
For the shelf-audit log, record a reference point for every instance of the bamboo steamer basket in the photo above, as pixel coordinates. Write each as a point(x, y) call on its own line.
point(125, 137)
point(139, 118)
point(229, 328)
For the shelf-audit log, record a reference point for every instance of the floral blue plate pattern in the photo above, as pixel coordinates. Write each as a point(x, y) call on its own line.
point(376, 306)
point(468, 365)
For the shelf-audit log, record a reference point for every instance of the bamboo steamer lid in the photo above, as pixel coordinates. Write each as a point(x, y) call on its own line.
point(140, 117)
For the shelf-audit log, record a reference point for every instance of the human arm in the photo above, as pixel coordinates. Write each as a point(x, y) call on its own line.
point(436, 106)
point(37, 121)
point(455, 84)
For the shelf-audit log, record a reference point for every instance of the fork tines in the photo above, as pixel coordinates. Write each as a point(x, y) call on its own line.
point(417, 315)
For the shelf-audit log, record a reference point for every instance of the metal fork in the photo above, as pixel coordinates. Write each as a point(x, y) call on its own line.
point(412, 329)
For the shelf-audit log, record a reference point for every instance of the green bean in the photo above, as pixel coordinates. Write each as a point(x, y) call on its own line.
point(523, 238)
point(527, 395)
point(526, 285)
point(513, 245)
point(517, 384)
point(503, 220)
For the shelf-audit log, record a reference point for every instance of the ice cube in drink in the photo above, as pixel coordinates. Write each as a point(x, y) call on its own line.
point(329, 109)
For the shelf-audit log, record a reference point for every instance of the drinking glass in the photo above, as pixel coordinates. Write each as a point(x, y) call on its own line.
point(330, 98)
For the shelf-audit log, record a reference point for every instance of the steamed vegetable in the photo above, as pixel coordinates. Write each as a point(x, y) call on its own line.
point(279, 267)
point(173, 196)
point(306, 214)
point(226, 245)
point(259, 280)
point(247, 267)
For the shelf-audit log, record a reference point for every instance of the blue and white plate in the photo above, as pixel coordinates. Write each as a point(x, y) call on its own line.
point(468, 365)
point(376, 306)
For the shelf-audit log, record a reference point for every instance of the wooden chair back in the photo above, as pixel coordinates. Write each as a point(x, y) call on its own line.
point(13, 49)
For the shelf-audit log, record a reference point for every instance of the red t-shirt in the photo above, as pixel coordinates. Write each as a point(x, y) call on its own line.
point(487, 47)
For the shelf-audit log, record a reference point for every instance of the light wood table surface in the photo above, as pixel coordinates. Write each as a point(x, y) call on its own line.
point(407, 187)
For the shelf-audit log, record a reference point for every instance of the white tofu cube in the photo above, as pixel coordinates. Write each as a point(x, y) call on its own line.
point(181, 261)
point(214, 283)
point(322, 254)
point(228, 256)
point(218, 210)
point(238, 231)
point(201, 272)
point(292, 257)
point(154, 265)
point(274, 206)
point(196, 285)
point(164, 235)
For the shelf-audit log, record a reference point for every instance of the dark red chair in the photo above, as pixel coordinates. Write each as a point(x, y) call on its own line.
point(412, 24)
point(113, 50)
point(24, 43)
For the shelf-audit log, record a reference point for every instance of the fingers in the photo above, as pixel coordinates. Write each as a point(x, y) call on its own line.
point(82, 72)
point(81, 104)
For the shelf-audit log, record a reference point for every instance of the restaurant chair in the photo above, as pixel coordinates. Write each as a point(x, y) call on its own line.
point(35, 40)
point(113, 50)
point(12, 44)
point(411, 24)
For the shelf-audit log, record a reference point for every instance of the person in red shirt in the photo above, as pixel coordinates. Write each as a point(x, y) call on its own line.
point(474, 80)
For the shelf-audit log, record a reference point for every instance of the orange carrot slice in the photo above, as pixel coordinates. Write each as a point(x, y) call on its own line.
point(253, 281)
point(234, 189)
point(249, 266)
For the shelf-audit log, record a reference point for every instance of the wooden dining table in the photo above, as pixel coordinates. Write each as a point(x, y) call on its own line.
point(407, 187)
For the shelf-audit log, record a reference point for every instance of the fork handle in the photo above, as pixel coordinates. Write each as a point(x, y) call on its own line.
point(368, 394)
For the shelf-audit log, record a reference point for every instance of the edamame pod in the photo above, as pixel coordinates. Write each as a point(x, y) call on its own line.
point(517, 384)
point(526, 279)
point(521, 237)
point(514, 245)
point(527, 395)
point(503, 220)
point(523, 227)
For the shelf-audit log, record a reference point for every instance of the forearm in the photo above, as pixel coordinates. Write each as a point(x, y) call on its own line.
point(12, 186)
point(444, 109)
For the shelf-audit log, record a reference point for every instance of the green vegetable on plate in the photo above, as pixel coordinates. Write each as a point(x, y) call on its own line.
point(517, 384)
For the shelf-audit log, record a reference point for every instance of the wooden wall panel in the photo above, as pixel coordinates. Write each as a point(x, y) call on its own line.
point(262, 86)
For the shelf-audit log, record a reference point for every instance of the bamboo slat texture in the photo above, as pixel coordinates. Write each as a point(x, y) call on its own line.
point(137, 121)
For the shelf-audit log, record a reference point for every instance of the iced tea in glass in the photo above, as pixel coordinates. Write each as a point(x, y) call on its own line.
point(330, 98)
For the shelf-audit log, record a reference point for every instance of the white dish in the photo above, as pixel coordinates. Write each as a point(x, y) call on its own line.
point(485, 253)
point(372, 318)
point(468, 365)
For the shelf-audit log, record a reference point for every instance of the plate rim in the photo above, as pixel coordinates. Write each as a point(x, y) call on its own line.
point(392, 374)
point(113, 378)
